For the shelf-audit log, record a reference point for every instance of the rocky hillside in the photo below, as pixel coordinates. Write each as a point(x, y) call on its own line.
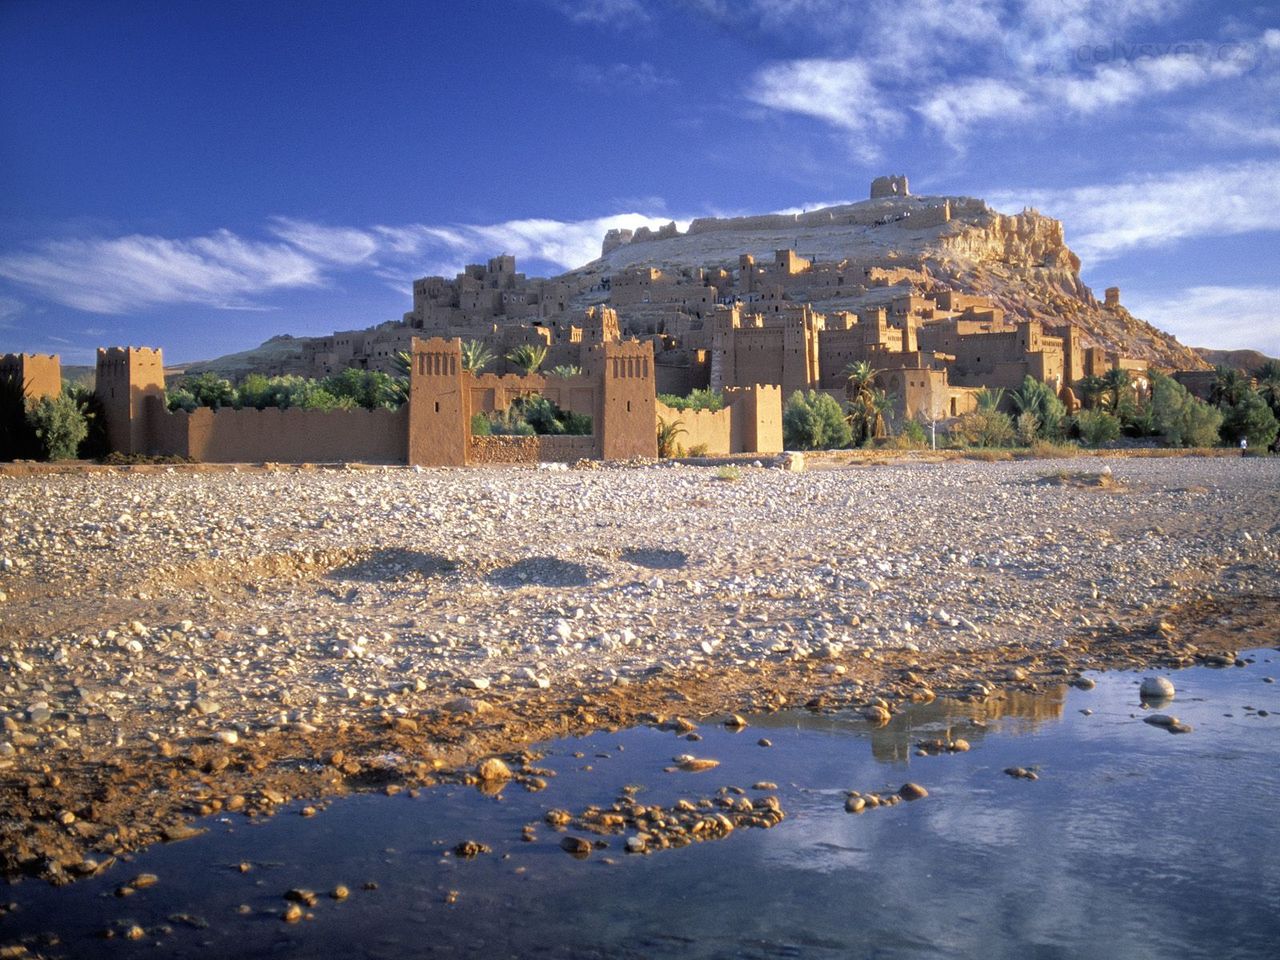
point(1020, 262)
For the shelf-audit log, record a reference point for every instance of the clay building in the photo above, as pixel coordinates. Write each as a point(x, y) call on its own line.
point(40, 374)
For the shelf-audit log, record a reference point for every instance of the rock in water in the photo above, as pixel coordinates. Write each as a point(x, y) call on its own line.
point(912, 791)
point(493, 770)
point(1156, 688)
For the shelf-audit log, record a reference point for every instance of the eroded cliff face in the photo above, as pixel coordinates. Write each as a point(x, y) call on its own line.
point(1026, 239)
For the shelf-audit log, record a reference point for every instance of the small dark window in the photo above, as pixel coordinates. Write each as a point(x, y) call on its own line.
point(437, 406)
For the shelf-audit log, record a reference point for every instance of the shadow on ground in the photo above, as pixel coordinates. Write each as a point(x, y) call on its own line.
point(545, 572)
point(657, 559)
point(394, 564)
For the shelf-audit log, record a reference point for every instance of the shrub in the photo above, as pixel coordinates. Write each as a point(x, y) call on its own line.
point(711, 400)
point(509, 423)
point(59, 425)
point(95, 444)
point(1180, 419)
point(667, 433)
point(729, 472)
point(1038, 399)
point(546, 417)
point(1097, 427)
point(1027, 427)
point(698, 450)
point(913, 434)
point(984, 427)
point(480, 425)
point(814, 422)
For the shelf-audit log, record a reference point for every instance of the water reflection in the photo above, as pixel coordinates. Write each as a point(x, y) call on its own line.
point(1132, 844)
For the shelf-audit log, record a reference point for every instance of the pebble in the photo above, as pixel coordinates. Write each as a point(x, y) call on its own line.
point(912, 791)
point(1156, 688)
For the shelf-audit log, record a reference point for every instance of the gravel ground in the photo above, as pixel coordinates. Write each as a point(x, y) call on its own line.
point(177, 641)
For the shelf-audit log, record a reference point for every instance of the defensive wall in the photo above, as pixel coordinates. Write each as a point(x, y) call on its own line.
point(39, 373)
point(750, 422)
point(616, 390)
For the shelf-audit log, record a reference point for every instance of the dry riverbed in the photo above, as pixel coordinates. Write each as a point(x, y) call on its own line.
point(175, 642)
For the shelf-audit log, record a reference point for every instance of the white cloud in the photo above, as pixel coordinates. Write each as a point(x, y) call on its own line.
point(1224, 318)
point(341, 245)
point(1106, 220)
point(839, 92)
point(224, 270)
point(964, 65)
point(952, 109)
point(123, 273)
point(9, 309)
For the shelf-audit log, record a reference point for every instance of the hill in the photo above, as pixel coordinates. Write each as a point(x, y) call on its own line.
point(1246, 361)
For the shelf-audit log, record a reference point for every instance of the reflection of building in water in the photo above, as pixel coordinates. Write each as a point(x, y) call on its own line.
point(949, 719)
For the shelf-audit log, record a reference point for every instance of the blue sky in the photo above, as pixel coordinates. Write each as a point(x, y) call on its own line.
point(201, 175)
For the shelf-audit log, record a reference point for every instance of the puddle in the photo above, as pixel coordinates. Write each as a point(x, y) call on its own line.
point(1132, 843)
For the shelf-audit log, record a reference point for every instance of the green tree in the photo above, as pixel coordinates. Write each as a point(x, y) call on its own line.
point(566, 370)
point(528, 357)
point(1268, 377)
point(476, 355)
point(59, 425)
point(868, 407)
point(814, 421)
point(1038, 399)
point(1115, 387)
point(1097, 427)
point(1250, 419)
point(95, 444)
point(1229, 388)
point(989, 398)
point(1180, 419)
point(1090, 390)
point(371, 389)
point(209, 390)
point(698, 399)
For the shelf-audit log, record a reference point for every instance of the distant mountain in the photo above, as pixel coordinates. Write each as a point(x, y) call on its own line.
point(1246, 361)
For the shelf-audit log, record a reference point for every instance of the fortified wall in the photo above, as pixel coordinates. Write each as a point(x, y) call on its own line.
point(40, 374)
point(434, 429)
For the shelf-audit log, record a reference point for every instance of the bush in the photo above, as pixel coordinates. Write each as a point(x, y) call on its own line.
point(1178, 418)
point(480, 425)
point(913, 434)
point(667, 433)
point(729, 472)
point(814, 422)
point(984, 427)
point(1097, 427)
point(371, 389)
point(208, 390)
point(698, 450)
point(59, 425)
point(1027, 427)
point(711, 400)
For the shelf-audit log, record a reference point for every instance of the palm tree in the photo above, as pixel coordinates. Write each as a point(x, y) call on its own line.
point(882, 404)
point(1230, 388)
point(1090, 390)
point(667, 433)
point(989, 399)
point(528, 357)
point(1114, 383)
point(566, 370)
point(476, 355)
point(860, 401)
point(1268, 377)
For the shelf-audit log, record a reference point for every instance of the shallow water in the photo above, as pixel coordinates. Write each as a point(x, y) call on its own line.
point(1133, 843)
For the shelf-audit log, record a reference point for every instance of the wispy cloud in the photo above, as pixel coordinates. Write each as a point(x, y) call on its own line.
point(1221, 317)
point(224, 270)
point(957, 66)
point(123, 273)
point(605, 12)
point(1106, 220)
point(9, 310)
point(642, 77)
point(841, 93)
